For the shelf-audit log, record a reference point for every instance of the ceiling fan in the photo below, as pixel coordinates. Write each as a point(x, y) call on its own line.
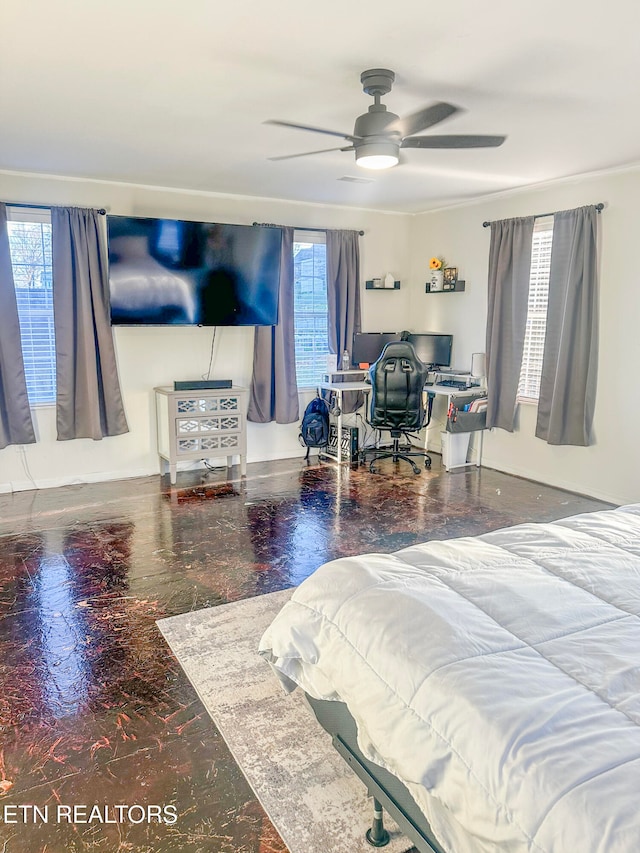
point(378, 135)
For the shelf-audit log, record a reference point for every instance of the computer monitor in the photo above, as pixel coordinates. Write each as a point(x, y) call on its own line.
point(432, 347)
point(367, 346)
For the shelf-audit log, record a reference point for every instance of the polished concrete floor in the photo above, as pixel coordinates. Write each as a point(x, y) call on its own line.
point(94, 708)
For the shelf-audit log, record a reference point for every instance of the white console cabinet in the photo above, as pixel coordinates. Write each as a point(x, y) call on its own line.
point(201, 425)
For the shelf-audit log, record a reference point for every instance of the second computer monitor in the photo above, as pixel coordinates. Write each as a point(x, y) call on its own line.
point(431, 347)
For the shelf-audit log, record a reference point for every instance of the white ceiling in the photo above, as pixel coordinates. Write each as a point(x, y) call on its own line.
point(176, 94)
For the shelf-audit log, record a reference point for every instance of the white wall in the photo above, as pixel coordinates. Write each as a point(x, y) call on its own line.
point(395, 243)
point(608, 469)
point(153, 356)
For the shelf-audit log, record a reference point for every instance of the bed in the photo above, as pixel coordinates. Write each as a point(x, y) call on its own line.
point(493, 682)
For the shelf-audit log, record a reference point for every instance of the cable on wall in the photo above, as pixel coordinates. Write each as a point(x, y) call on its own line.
point(213, 341)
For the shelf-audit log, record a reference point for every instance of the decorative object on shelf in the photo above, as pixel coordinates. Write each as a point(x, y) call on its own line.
point(389, 282)
point(450, 278)
point(436, 279)
point(377, 283)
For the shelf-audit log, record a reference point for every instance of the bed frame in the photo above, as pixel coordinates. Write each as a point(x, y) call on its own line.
point(386, 790)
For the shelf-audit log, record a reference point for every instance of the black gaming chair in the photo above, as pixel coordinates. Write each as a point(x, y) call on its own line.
point(397, 382)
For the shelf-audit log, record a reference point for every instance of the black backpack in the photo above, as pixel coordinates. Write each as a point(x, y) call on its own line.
point(314, 428)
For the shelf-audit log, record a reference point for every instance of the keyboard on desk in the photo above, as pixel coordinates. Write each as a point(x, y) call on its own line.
point(451, 383)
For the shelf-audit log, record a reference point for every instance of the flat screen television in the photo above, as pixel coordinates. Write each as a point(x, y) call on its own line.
point(180, 273)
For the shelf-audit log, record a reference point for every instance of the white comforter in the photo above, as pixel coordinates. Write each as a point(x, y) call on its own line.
point(497, 676)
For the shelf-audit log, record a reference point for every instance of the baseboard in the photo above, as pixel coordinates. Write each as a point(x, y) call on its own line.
point(84, 479)
point(105, 476)
point(559, 483)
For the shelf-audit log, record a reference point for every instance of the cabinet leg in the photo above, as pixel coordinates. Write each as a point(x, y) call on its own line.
point(243, 466)
point(172, 474)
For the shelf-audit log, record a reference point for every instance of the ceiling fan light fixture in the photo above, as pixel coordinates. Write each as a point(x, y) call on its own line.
point(377, 161)
point(378, 155)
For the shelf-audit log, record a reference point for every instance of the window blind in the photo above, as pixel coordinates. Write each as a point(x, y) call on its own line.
point(531, 370)
point(30, 247)
point(310, 307)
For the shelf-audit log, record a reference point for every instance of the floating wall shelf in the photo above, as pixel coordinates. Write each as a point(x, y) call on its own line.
point(369, 285)
point(456, 287)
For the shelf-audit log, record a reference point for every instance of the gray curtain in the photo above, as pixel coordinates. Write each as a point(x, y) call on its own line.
point(89, 402)
point(343, 289)
point(274, 390)
point(568, 384)
point(16, 426)
point(509, 270)
point(343, 299)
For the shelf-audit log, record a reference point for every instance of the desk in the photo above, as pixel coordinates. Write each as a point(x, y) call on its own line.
point(339, 388)
point(448, 391)
point(436, 390)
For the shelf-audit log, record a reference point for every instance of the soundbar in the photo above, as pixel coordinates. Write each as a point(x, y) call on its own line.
point(201, 384)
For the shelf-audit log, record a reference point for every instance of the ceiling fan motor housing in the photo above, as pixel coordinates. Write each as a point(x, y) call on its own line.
point(377, 81)
point(375, 121)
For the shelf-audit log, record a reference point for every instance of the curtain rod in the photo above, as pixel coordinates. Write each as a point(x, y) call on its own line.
point(598, 207)
point(274, 225)
point(101, 210)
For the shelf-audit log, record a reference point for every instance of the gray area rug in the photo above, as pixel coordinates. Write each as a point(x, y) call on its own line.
point(314, 800)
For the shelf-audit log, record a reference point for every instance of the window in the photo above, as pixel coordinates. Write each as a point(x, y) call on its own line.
point(531, 370)
point(30, 247)
point(310, 311)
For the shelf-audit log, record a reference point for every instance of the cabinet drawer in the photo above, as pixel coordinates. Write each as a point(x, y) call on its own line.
point(199, 404)
point(213, 424)
point(207, 444)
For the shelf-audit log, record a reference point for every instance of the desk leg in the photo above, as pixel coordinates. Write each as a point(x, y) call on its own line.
point(425, 402)
point(479, 459)
point(339, 448)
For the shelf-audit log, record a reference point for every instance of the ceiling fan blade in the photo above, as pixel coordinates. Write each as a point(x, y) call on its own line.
point(463, 141)
point(424, 118)
point(307, 153)
point(311, 128)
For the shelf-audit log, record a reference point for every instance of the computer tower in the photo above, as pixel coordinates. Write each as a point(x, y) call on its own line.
point(349, 443)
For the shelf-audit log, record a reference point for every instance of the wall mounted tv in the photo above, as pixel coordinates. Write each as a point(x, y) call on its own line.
point(179, 273)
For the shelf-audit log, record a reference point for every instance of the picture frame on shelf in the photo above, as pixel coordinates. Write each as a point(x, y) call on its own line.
point(450, 278)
